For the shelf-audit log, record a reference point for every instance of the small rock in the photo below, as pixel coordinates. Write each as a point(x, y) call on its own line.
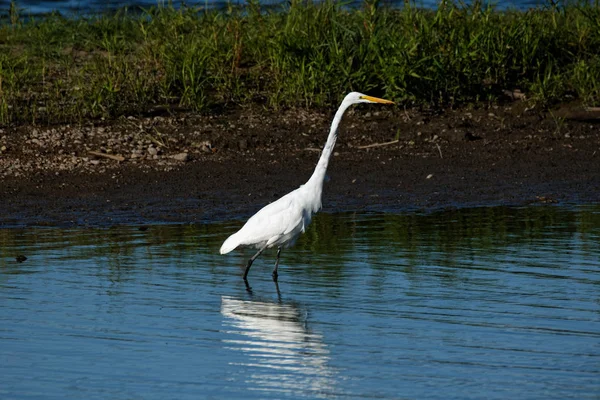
point(429, 176)
point(206, 146)
point(152, 151)
point(182, 157)
point(95, 162)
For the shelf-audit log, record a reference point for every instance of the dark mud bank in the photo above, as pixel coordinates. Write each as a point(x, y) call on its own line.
point(190, 169)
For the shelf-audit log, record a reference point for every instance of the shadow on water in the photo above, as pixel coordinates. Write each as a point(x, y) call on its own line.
point(419, 237)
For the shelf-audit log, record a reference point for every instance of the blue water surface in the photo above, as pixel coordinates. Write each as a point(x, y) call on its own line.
point(491, 303)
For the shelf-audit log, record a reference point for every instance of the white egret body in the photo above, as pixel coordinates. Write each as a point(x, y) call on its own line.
point(280, 223)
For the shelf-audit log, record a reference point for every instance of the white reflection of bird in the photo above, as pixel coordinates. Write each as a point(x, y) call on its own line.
point(280, 223)
point(282, 353)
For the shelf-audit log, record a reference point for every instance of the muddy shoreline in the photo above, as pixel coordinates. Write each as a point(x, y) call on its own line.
point(191, 169)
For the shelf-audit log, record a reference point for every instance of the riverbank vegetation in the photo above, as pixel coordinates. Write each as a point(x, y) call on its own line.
point(68, 69)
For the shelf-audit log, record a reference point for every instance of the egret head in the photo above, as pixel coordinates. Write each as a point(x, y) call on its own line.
point(355, 97)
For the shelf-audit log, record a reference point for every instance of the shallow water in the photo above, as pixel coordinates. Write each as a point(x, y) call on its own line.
point(482, 303)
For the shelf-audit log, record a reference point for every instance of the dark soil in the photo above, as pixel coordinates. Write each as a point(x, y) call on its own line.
point(238, 162)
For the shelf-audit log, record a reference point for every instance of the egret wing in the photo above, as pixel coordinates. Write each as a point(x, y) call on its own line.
point(274, 221)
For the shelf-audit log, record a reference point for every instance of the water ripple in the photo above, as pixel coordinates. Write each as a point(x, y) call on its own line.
point(492, 303)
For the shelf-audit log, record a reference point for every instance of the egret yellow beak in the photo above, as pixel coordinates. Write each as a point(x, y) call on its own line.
point(376, 100)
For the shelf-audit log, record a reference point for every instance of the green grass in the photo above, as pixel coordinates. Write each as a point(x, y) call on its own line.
point(55, 69)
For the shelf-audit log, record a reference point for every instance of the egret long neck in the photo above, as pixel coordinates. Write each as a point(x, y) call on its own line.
point(317, 178)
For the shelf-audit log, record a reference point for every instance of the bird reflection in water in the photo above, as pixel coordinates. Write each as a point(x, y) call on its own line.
point(282, 353)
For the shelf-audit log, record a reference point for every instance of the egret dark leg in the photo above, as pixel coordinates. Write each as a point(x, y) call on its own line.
point(278, 292)
point(276, 265)
point(248, 288)
point(250, 261)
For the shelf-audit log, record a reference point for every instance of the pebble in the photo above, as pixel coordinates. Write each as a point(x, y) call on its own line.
point(181, 157)
point(152, 151)
point(206, 146)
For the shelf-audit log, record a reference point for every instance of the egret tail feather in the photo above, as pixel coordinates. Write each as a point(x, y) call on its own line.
point(229, 245)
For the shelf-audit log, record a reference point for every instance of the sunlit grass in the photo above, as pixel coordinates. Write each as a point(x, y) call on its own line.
point(57, 69)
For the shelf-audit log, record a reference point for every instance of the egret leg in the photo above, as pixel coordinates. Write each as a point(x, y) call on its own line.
point(278, 292)
point(248, 288)
point(250, 261)
point(276, 265)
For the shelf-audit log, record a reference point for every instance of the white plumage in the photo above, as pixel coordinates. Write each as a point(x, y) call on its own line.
point(280, 223)
point(276, 224)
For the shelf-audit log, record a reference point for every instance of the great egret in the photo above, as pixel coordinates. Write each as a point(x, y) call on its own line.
point(280, 223)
